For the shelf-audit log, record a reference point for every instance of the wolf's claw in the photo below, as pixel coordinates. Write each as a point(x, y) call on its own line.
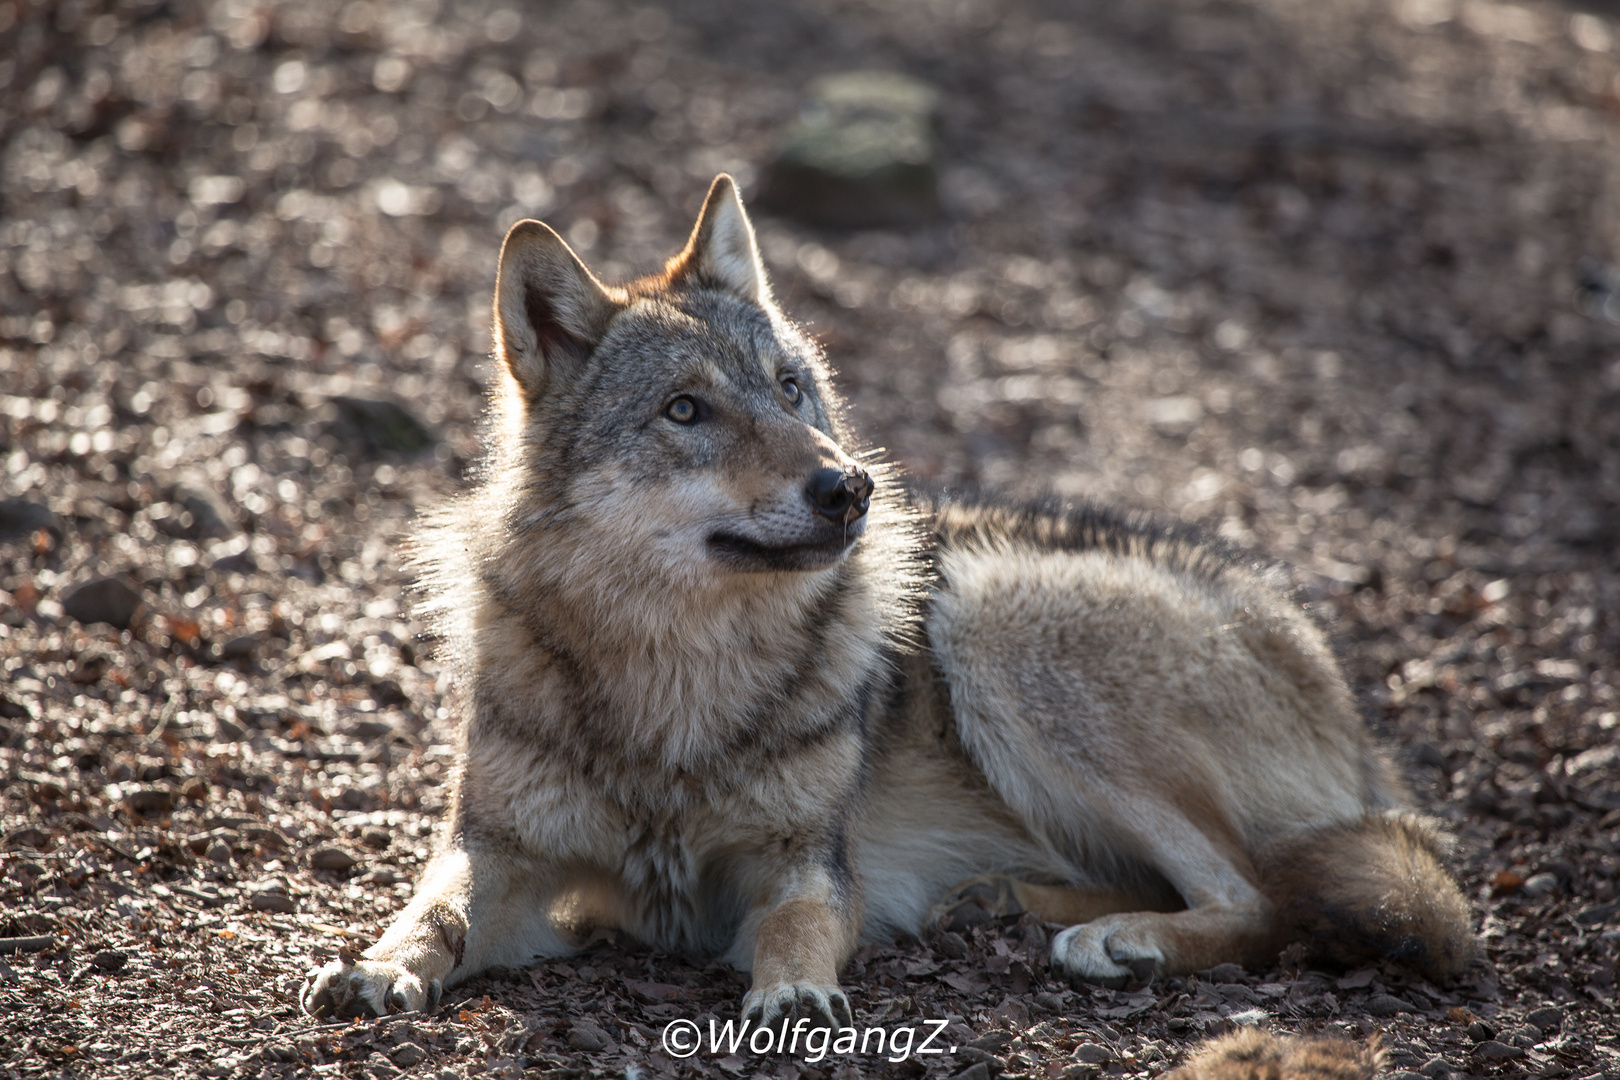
point(822, 1006)
point(366, 987)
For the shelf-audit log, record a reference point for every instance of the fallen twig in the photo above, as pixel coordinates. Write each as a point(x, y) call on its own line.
point(25, 944)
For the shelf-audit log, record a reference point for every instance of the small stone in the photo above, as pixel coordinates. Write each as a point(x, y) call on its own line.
point(1547, 1019)
point(1539, 885)
point(407, 1054)
point(1435, 1068)
point(219, 851)
point(240, 647)
point(1491, 1050)
point(951, 945)
point(1602, 913)
point(1389, 1005)
point(1093, 1054)
point(1225, 973)
point(21, 519)
point(376, 839)
point(332, 858)
point(149, 801)
point(1480, 1031)
point(211, 518)
point(584, 1035)
point(273, 901)
point(862, 153)
point(280, 1051)
point(1525, 1036)
point(103, 600)
point(110, 960)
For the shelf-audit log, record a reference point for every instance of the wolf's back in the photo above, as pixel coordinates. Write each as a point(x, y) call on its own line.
point(1372, 889)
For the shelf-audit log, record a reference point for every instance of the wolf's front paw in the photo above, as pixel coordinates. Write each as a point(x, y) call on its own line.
point(377, 987)
point(824, 1006)
point(1106, 951)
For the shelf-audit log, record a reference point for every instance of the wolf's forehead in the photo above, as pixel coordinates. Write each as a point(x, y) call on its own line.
point(712, 343)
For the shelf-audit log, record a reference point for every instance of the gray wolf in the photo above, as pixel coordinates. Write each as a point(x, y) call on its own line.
point(730, 687)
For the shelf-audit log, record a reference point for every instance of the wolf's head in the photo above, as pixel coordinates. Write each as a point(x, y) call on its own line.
point(679, 415)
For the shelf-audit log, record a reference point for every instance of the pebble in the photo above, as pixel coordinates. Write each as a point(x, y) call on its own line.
point(273, 901)
point(1547, 1019)
point(377, 839)
point(1539, 885)
point(150, 801)
point(1491, 1050)
point(584, 1035)
point(103, 600)
point(110, 960)
point(1389, 1005)
point(407, 1054)
point(211, 518)
point(21, 519)
point(332, 858)
point(1093, 1054)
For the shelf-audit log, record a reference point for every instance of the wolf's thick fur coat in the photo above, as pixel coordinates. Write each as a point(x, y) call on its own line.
point(713, 700)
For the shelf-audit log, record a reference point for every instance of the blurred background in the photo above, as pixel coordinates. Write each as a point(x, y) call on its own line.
point(1336, 280)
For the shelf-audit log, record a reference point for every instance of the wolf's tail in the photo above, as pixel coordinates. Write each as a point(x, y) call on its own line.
point(1373, 889)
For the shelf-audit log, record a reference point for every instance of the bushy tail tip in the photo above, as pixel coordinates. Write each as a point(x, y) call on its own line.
point(1252, 1054)
point(1374, 889)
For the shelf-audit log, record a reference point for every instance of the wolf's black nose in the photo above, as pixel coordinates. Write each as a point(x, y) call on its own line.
point(840, 495)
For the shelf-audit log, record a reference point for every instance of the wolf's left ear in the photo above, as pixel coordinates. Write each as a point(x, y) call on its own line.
point(550, 311)
point(722, 249)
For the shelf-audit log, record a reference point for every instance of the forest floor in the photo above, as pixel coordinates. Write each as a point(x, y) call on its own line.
point(1335, 280)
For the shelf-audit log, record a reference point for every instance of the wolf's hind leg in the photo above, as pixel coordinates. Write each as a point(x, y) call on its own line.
point(471, 910)
point(993, 896)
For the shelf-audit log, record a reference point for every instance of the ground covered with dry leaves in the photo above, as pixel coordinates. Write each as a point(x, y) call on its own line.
point(1336, 280)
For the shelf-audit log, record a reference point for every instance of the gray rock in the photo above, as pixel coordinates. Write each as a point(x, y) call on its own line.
point(1093, 1054)
point(1389, 1005)
point(1225, 973)
point(1491, 1050)
point(273, 901)
point(110, 960)
point(103, 600)
point(379, 424)
point(407, 1054)
point(211, 517)
point(1602, 913)
point(1539, 885)
point(150, 801)
point(21, 519)
point(862, 154)
point(584, 1035)
point(1547, 1019)
point(332, 858)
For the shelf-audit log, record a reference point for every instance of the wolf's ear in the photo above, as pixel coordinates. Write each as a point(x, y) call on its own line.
point(550, 311)
point(722, 249)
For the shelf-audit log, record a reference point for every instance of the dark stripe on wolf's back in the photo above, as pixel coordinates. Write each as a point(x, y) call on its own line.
point(958, 519)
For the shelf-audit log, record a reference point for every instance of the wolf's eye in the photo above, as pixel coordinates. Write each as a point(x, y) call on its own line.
point(683, 410)
point(790, 387)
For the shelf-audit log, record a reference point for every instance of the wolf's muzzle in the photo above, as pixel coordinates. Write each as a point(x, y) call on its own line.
point(842, 496)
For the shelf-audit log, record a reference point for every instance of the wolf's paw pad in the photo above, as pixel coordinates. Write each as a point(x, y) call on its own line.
point(823, 1006)
point(365, 988)
point(1103, 952)
point(975, 902)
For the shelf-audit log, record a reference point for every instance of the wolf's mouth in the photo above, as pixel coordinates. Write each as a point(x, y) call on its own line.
point(742, 553)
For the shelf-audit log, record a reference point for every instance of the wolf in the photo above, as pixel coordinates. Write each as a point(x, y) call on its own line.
point(729, 684)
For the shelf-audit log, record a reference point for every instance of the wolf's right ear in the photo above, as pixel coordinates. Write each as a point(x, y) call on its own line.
point(550, 311)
